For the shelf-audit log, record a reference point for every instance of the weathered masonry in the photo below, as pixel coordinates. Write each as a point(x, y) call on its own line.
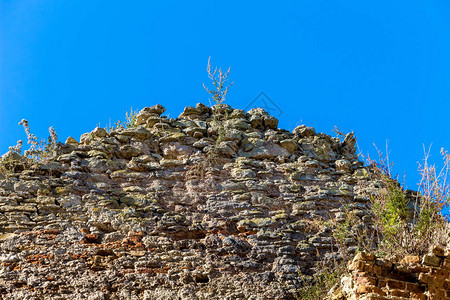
point(218, 203)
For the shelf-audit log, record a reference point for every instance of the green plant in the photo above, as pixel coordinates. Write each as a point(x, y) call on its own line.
point(219, 91)
point(130, 121)
point(316, 287)
point(350, 234)
point(410, 222)
point(219, 78)
point(344, 229)
point(404, 222)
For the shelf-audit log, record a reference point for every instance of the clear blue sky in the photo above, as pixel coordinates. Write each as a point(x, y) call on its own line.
point(380, 68)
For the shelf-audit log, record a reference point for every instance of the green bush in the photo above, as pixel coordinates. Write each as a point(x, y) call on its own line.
point(219, 91)
point(411, 222)
point(316, 287)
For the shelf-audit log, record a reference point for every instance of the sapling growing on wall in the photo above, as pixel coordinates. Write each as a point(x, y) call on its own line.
point(219, 79)
point(218, 92)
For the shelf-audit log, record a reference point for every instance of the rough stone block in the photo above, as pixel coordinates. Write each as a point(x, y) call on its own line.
point(431, 260)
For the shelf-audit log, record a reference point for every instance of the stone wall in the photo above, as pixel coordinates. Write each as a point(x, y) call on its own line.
point(218, 203)
point(410, 277)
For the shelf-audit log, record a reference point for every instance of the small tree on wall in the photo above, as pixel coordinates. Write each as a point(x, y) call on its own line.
point(219, 79)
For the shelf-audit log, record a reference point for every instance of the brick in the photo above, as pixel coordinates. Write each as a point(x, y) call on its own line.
point(51, 231)
point(356, 265)
point(379, 291)
point(419, 269)
point(368, 268)
point(366, 280)
point(425, 278)
point(438, 251)
point(432, 280)
point(374, 297)
point(414, 288)
point(431, 260)
point(410, 259)
point(437, 297)
point(381, 282)
point(440, 273)
point(399, 293)
point(363, 289)
point(446, 263)
point(383, 263)
point(446, 285)
point(377, 270)
point(436, 294)
point(364, 256)
point(418, 296)
point(394, 284)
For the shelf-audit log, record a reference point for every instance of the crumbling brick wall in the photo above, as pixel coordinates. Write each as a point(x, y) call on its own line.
point(409, 277)
point(218, 203)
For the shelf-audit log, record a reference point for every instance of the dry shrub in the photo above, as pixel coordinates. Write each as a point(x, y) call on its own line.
point(411, 222)
point(328, 274)
point(39, 151)
point(218, 78)
point(130, 121)
point(404, 223)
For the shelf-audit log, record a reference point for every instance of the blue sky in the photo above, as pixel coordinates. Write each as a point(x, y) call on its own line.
point(379, 68)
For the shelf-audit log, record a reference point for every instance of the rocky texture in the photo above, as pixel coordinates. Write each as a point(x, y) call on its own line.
point(215, 204)
point(410, 277)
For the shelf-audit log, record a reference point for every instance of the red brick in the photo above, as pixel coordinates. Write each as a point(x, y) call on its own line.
point(414, 288)
point(51, 231)
point(410, 259)
point(446, 263)
point(440, 272)
point(365, 256)
point(377, 270)
point(431, 260)
point(382, 282)
point(384, 264)
point(439, 251)
point(394, 284)
point(426, 278)
point(356, 266)
point(418, 296)
point(399, 293)
point(362, 289)
point(419, 269)
point(436, 282)
point(366, 280)
point(436, 294)
point(446, 285)
point(373, 297)
point(368, 267)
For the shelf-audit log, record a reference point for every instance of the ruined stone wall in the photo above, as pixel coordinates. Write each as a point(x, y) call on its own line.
point(216, 204)
point(410, 277)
